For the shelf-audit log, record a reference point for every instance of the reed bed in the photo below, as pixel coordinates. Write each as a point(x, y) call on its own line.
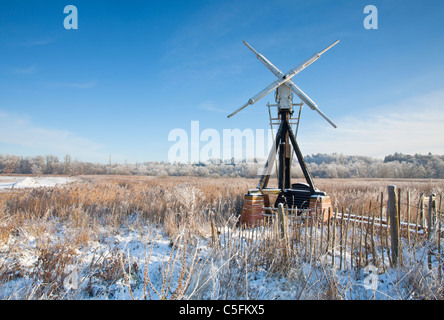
point(353, 240)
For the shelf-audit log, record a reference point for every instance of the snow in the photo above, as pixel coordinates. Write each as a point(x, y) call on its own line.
point(11, 182)
point(148, 247)
point(80, 282)
point(153, 264)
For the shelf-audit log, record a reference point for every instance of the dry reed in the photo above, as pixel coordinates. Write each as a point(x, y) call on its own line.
point(206, 208)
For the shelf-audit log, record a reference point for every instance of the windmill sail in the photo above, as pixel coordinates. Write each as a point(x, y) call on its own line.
point(287, 80)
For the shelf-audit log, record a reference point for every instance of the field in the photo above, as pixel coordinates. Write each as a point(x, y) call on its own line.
point(134, 237)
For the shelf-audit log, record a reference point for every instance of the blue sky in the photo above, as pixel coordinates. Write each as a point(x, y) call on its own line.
point(135, 70)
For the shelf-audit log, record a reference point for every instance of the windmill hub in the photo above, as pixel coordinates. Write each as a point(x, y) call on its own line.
point(284, 97)
point(299, 197)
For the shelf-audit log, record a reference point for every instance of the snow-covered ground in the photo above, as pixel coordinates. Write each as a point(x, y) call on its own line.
point(154, 266)
point(14, 182)
point(96, 272)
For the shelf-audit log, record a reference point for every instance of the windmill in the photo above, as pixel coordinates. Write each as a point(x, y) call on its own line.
point(300, 196)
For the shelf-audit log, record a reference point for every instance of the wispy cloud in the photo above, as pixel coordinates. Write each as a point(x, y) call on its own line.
point(35, 42)
point(409, 126)
point(210, 105)
point(76, 85)
point(25, 70)
point(22, 133)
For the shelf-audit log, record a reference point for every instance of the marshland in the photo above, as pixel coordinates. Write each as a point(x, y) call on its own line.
point(142, 237)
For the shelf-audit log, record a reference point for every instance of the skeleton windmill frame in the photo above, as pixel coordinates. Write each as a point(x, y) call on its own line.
point(285, 88)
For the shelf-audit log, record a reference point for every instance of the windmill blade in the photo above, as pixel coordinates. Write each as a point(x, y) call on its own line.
point(290, 74)
point(244, 106)
point(260, 94)
point(293, 71)
point(278, 73)
point(285, 78)
point(269, 65)
point(306, 99)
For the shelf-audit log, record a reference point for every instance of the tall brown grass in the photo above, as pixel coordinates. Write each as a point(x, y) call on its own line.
point(203, 207)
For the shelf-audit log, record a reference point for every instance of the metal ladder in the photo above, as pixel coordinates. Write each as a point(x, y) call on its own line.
point(275, 121)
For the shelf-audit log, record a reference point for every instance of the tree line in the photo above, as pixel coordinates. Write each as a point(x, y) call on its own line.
point(320, 165)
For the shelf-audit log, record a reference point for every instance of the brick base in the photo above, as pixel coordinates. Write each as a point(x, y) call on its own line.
point(253, 209)
point(320, 205)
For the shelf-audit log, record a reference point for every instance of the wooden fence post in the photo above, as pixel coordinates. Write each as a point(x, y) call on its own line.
point(430, 224)
point(214, 238)
point(408, 218)
point(439, 236)
point(392, 212)
point(283, 228)
point(328, 229)
point(398, 212)
point(422, 212)
point(341, 235)
point(333, 242)
point(375, 257)
point(380, 228)
point(282, 223)
point(345, 236)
